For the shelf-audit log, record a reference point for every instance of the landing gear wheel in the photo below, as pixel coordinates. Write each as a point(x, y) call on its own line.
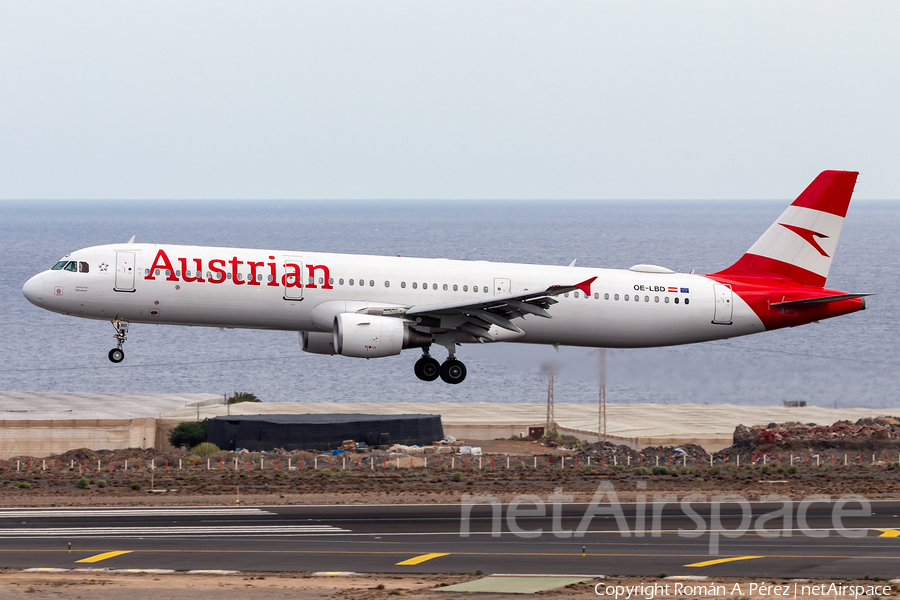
point(427, 369)
point(116, 355)
point(453, 371)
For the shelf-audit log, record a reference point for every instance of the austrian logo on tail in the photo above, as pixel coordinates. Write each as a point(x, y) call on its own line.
point(809, 235)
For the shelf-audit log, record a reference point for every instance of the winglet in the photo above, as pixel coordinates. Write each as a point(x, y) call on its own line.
point(585, 286)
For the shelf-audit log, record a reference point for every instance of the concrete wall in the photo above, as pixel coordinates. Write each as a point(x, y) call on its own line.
point(44, 438)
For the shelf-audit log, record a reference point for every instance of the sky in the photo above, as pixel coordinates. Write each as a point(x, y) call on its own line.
point(444, 100)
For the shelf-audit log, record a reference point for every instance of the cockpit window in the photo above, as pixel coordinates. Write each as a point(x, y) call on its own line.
point(59, 265)
point(83, 267)
point(71, 266)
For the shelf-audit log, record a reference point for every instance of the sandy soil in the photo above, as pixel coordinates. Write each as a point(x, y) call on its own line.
point(17, 585)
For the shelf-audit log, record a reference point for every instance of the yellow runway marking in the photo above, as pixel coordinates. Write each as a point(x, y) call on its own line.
point(104, 556)
point(420, 559)
point(722, 560)
point(889, 532)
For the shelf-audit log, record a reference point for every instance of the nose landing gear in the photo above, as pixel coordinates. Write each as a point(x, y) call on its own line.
point(117, 355)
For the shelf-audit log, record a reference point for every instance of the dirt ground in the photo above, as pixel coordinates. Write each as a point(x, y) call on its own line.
point(353, 485)
point(18, 585)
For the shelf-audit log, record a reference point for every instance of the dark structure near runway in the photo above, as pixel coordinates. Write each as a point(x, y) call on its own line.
point(321, 432)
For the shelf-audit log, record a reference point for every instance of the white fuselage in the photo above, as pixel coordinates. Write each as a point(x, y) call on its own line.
point(626, 309)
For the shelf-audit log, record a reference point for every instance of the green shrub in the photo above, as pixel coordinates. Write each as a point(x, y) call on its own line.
point(793, 469)
point(779, 470)
point(641, 471)
point(618, 467)
point(189, 433)
point(765, 469)
point(24, 486)
point(83, 483)
point(136, 486)
point(687, 470)
point(102, 483)
point(660, 470)
point(204, 449)
point(239, 397)
point(194, 478)
point(714, 470)
point(731, 468)
point(587, 468)
point(457, 476)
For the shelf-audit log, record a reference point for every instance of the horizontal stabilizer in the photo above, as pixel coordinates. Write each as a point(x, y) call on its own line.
point(813, 301)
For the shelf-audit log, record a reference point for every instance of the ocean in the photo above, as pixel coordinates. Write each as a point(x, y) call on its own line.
point(842, 362)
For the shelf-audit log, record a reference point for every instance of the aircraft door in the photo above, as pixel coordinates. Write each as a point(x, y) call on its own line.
point(124, 272)
point(724, 304)
point(292, 278)
point(501, 286)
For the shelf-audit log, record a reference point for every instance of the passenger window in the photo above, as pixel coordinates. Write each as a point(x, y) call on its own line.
point(646, 298)
point(58, 266)
point(330, 280)
point(666, 299)
point(157, 272)
point(434, 286)
point(83, 267)
point(637, 298)
point(445, 287)
point(341, 281)
point(616, 297)
point(465, 288)
point(270, 278)
point(147, 272)
point(387, 284)
point(606, 296)
point(178, 273)
point(72, 266)
point(371, 283)
point(228, 276)
point(626, 297)
point(403, 284)
point(676, 300)
point(566, 294)
point(350, 282)
point(687, 300)
point(415, 285)
point(455, 288)
point(656, 298)
point(424, 286)
point(208, 275)
point(597, 296)
point(485, 289)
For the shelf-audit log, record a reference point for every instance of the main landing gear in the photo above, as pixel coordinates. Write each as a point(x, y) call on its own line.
point(429, 369)
point(117, 355)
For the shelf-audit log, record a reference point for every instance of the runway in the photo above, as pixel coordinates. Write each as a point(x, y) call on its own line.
point(434, 539)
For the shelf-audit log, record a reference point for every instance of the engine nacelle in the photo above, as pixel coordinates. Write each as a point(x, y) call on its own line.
point(374, 336)
point(317, 342)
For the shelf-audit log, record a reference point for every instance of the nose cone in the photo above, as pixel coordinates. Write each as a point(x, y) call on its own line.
point(34, 290)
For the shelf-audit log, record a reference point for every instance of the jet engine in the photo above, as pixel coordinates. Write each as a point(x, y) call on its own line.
point(317, 342)
point(374, 336)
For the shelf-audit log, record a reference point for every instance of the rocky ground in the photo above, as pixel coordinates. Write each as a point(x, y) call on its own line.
point(265, 482)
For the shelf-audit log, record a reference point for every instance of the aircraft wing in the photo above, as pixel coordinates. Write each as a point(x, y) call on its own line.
point(478, 315)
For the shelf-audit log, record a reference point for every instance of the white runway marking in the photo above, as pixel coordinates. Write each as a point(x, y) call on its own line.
point(263, 530)
point(132, 512)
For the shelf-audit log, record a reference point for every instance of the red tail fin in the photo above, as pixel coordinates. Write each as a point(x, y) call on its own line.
point(799, 246)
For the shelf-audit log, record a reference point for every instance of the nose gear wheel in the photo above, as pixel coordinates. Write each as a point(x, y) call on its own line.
point(117, 354)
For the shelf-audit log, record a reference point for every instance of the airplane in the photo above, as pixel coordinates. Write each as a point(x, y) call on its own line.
point(375, 306)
